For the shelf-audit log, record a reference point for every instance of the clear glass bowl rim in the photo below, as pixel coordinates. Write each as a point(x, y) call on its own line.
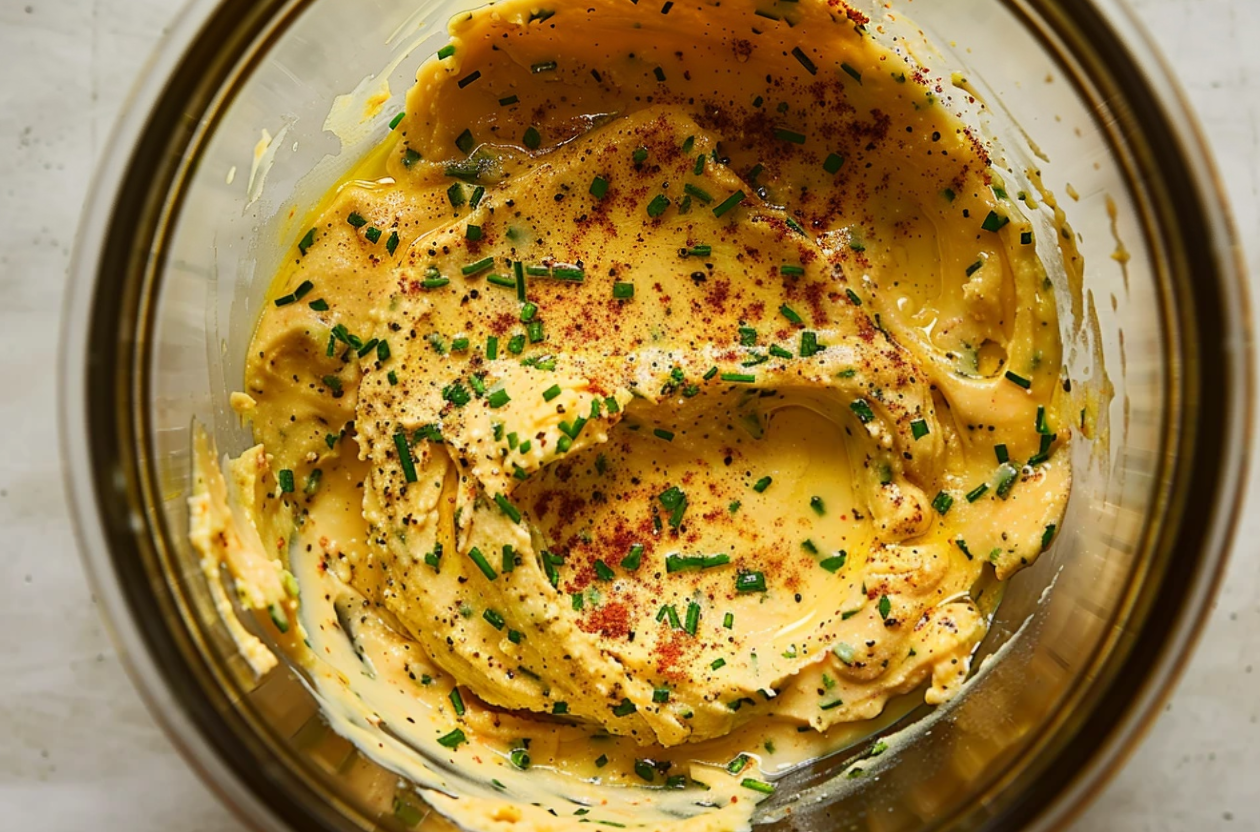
point(104, 456)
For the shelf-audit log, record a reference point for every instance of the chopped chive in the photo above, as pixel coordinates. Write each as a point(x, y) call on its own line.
point(404, 457)
point(698, 169)
point(816, 503)
point(994, 222)
point(1018, 380)
point(477, 194)
point(599, 187)
point(446, 51)
point(455, 193)
point(739, 378)
point(710, 373)
point(472, 232)
point(601, 761)
point(509, 559)
point(623, 291)
point(535, 331)
point(551, 392)
point(862, 410)
point(750, 582)
point(757, 786)
point(319, 305)
point(728, 203)
point(519, 758)
point(465, 141)
point(459, 345)
point(785, 135)
point(544, 66)
point(833, 564)
point(434, 282)
point(453, 740)
point(660, 74)
point(657, 206)
point(692, 621)
point(1003, 456)
point(484, 565)
point(703, 195)
point(696, 251)
point(640, 155)
point(495, 620)
point(809, 344)
point(625, 708)
point(977, 492)
point(395, 121)
point(492, 348)
point(560, 708)
point(975, 267)
point(285, 478)
point(683, 563)
point(884, 607)
point(660, 695)
point(1040, 423)
point(804, 60)
point(532, 138)
point(286, 300)
point(529, 311)
point(717, 664)
point(762, 484)
point(1047, 537)
point(356, 219)
point(603, 571)
point(507, 508)
point(661, 433)
point(852, 73)
point(410, 157)
point(633, 558)
point(791, 314)
point(919, 429)
point(479, 266)
point(791, 223)
point(367, 347)
point(1006, 480)
point(457, 702)
point(393, 378)
point(306, 242)
point(516, 344)
point(728, 620)
point(498, 398)
point(790, 270)
point(644, 770)
point(833, 162)
point(779, 352)
point(568, 273)
point(500, 280)
point(518, 272)
point(1026, 238)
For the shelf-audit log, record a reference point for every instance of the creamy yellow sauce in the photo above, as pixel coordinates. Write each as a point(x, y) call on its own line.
point(644, 416)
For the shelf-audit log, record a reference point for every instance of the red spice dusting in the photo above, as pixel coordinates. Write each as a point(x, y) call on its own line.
point(668, 655)
point(610, 620)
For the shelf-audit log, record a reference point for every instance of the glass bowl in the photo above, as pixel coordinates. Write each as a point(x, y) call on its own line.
point(190, 213)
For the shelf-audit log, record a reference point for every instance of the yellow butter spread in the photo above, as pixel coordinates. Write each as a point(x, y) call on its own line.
point(642, 417)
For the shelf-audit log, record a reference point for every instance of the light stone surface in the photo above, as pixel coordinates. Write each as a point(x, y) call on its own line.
point(78, 749)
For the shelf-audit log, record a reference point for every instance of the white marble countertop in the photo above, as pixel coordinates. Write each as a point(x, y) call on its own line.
point(79, 750)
